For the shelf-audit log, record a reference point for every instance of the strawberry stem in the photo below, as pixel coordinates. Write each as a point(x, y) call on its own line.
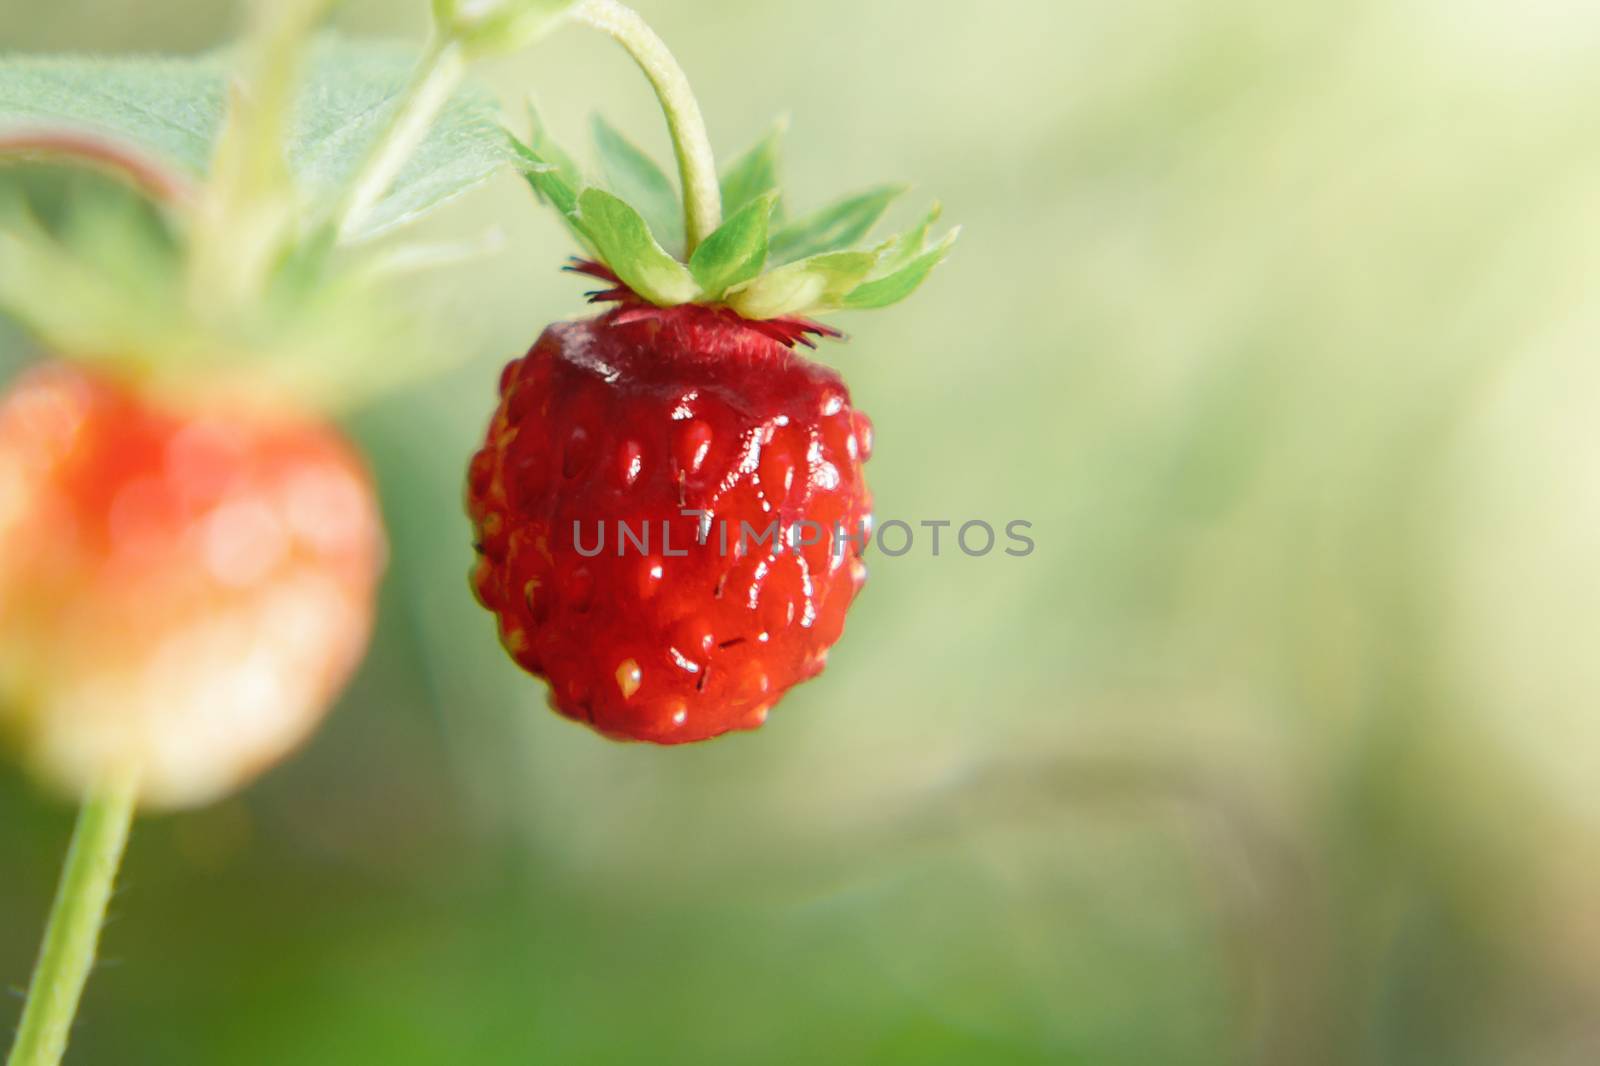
point(245, 215)
point(72, 935)
point(438, 74)
point(697, 166)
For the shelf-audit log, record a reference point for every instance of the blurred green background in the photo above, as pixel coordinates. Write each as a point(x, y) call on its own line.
point(1277, 320)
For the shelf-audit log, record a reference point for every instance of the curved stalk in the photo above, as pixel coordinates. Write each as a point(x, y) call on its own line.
point(73, 934)
point(697, 166)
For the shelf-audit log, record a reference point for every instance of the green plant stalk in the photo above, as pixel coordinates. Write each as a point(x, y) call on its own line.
point(441, 70)
point(73, 933)
point(246, 211)
point(697, 166)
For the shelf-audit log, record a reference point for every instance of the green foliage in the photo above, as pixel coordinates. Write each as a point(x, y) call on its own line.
point(102, 275)
point(622, 237)
point(552, 174)
point(835, 227)
point(634, 176)
point(92, 271)
point(891, 285)
point(813, 264)
point(821, 282)
point(753, 174)
point(553, 184)
point(349, 97)
point(545, 146)
point(1281, 747)
point(242, 284)
point(173, 108)
point(737, 251)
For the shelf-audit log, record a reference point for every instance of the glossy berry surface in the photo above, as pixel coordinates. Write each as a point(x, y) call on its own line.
point(185, 591)
point(650, 623)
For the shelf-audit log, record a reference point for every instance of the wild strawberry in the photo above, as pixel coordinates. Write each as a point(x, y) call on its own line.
point(639, 504)
point(184, 592)
point(670, 505)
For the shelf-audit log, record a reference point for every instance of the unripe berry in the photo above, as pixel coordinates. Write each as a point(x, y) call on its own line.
point(183, 592)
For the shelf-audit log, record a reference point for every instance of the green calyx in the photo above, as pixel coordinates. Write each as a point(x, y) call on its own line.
point(104, 280)
point(243, 263)
point(759, 262)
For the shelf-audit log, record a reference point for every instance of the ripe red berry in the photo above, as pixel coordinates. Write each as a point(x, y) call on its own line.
point(682, 626)
point(722, 469)
point(188, 592)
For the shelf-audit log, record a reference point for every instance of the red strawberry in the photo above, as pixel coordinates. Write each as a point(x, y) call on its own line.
point(635, 417)
point(685, 412)
point(185, 591)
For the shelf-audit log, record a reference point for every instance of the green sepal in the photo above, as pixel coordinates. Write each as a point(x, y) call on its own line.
point(737, 251)
point(900, 249)
point(835, 227)
point(902, 279)
point(754, 174)
point(547, 179)
point(546, 148)
point(104, 282)
point(623, 239)
point(755, 263)
point(105, 266)
point(634, 177)
point(817, 283)
point(552, 174)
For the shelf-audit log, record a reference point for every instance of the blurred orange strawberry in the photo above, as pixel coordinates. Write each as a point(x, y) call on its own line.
point(187, 592)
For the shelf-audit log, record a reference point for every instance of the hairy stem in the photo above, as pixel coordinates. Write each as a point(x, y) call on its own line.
point(697, 166)
point(437, 76)
point(73, 933)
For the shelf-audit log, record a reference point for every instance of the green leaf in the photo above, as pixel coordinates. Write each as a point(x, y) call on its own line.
point(834, 228)
point(171, 107)
point(634, 177)
point(350, 94)
point(737, 251)
point(902, 281)
point(754, 174)
point(624, 241)
point(174, 107)
point(815, 284)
